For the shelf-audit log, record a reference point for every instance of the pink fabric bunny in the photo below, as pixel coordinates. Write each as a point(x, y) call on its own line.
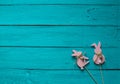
point(98, 57)
point(81, 60)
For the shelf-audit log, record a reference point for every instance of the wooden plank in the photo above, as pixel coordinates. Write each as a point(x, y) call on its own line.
point(118, 35)
point(53, 58)
point(56, 77)
point(60, 2)
point(60, 15)
point(58, 36)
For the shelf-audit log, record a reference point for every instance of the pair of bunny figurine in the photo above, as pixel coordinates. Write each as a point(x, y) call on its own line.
point(83, 60)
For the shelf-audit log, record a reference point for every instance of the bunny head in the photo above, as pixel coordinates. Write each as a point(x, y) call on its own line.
point(76, 53)
point(97, 48)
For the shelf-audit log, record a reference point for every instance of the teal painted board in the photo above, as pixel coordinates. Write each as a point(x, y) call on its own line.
point(59, 1)
point(60, 15)
point(59, 36)
point(118, 35)
point(53, 58)
point(56, 77)
point(37, 38)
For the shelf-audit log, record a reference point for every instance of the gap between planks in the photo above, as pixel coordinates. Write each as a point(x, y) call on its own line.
point(58, 25)
point(60, 4)
point(38, 69)
point(53, 47)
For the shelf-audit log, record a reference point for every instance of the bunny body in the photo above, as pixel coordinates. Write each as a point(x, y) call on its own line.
point(81, 60)
point(98, 57)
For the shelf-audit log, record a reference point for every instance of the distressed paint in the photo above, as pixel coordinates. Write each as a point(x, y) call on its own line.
point(87, 2)
point(37, 38)
point(54, 14)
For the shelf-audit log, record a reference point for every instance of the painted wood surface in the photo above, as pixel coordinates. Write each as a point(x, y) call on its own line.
point(59, 36)
point(55, 77)
point(53, 58)
point(54, 14)
point(37, 38)
point(104, 2)
point(40, 43)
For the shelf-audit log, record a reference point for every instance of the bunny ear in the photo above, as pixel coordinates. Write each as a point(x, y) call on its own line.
point(99, 44)
point(94, 45)
point(74, 51)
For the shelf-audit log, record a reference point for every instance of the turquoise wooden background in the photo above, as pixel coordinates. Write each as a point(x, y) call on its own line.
point(37, 37)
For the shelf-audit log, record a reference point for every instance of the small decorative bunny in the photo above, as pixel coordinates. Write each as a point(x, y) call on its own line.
point(81, 60)
point(98, 57)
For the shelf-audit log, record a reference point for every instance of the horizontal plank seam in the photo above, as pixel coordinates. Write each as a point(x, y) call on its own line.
point(59, 4)
point(118, 29)
point(53, 47)
point(54, 25)
point(54, 69)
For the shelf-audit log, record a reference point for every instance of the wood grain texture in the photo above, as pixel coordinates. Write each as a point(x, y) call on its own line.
point(60, 2)
point(58, 36)
point(37, 38)
point(53, 58)
point(55, 77)
point(60, 15)
point(42, 47)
